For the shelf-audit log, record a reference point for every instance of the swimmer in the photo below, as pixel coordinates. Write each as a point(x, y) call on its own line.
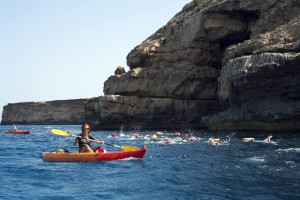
point(135, 135)
point(177, 133)
point(113, 135)
point(214, 141)
point(248, 139)
point(153, 136)
point(268, 139)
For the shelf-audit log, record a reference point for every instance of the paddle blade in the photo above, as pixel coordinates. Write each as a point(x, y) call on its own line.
point(129, 148)
point(60, 132)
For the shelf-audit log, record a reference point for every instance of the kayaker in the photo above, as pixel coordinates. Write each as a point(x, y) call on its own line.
point(84, 140)
point(15, 129)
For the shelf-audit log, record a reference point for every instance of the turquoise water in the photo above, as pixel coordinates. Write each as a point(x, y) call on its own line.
point(172, 168)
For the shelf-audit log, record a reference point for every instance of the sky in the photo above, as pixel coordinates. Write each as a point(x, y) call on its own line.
point(66, 49)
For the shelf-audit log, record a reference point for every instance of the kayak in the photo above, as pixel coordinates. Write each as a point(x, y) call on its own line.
point(102, 155)
point(17, 132)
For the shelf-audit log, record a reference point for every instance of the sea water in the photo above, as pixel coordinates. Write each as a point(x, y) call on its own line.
point(172, 168)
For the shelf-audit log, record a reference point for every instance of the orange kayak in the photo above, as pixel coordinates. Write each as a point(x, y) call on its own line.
point(102, 155)
point(17, 132)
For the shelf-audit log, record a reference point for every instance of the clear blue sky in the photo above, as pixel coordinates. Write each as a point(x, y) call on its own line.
point(66, 49)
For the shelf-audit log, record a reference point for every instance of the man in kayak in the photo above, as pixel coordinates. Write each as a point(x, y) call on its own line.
point(84, 139)
point(15, 129)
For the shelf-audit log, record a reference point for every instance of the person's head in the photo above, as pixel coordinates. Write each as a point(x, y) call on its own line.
point(86, 128)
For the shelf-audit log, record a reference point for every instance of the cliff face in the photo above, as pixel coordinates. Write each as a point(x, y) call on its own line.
point(49, 112)
point(260, 76)
point(225, 65)
point(222, 65)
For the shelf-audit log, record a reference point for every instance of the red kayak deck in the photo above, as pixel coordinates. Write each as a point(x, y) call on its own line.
point(90, 157)
point(17, 132)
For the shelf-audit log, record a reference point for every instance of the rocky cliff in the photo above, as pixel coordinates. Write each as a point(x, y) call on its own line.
point(222, 65)
point(49, 112)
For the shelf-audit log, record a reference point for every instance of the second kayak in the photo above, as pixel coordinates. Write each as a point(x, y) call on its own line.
point(17, 132)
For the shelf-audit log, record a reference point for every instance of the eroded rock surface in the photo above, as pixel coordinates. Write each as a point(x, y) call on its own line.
point(222, 65)
point(235, 63)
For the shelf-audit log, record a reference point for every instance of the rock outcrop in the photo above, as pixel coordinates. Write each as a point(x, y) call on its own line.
point(131, 112)
point(223, 65)
point(49, 112)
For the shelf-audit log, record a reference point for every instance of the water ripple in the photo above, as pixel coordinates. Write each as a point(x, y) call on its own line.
point(175, 169)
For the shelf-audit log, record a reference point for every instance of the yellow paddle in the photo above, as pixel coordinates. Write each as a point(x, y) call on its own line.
point(60, 132)
point(124, 148)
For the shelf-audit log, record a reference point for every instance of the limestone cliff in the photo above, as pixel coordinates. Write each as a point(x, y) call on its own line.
point(49, 112)
point(226, 65)
point(221, 65)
